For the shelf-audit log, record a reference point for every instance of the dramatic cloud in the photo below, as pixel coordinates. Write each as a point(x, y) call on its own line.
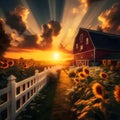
point(16, 39)
point(46, 37)
point(43, 41)
point(83, 6)
point(4, 38)
point(48, 31)
point(55, 27)
point(16, 25)
point(30, 42)
point(16, 19)
point(89, 2)
point(110, 19)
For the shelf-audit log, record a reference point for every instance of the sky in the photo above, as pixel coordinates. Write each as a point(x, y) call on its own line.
point(39, 28)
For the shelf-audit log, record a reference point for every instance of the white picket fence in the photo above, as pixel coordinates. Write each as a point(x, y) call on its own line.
point(17, 95)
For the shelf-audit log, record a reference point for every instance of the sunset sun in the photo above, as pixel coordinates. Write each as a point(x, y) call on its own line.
point(56, 56)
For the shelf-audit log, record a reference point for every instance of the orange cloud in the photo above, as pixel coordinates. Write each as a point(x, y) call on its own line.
point(22, 11)
point(83, 6)
point(87, 3)
point(110, 20)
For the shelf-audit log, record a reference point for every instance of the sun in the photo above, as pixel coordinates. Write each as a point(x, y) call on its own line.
point(56, 56)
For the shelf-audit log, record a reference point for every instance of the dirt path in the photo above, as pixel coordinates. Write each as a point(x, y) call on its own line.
point(61, 107)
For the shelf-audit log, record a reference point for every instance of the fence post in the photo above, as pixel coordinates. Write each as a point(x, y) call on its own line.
point(12, 85)
point(36, 78)
point(36, 74)
point(45, 68)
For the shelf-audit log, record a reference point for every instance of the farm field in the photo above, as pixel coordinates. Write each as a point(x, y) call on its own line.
point(20, 68)
point(94, 97)
point(79, 93)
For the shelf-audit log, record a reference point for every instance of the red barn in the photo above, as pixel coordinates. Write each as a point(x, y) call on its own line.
point(91, 47)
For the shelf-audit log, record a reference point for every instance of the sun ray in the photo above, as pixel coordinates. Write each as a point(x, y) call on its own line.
point(31, 21)
point(67, 37)
point(50, 9)
point(90, 18)
point(54, 9)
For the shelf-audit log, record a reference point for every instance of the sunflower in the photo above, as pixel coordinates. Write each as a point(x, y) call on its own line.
point(98, 90)
point(26, 65)
point(20, 61)
point(117, 93)
point(5, 65)
point(104, 62)
point(76, 80)
point(82, 75)
point(10, 62)
point(103, 75)
point(86, 71)
point(112, 67)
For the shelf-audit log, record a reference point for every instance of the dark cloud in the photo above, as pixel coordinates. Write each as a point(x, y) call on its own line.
point(55, 26)
point(48, 31)
point(4, 38)
point(16, 19)
point(30, 42)
point(89, 2)
point(110, 20)
point(15, 22)
point(46, 37)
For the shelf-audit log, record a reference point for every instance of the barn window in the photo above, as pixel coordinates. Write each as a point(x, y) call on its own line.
point(81, 38)
point(76, 46)
point(87, 41)
point(81, 47)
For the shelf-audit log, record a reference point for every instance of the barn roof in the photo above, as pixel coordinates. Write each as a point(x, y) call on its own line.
point(114, 56)
point(103, 40)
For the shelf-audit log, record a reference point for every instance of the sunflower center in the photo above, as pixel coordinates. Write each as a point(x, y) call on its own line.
point(99, 90)
point(86, 71)
point(104, 75)
point(77, 80)
point(82, 75)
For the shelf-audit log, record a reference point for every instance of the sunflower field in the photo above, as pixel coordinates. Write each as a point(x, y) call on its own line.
point(96, 92)
point(21, 68)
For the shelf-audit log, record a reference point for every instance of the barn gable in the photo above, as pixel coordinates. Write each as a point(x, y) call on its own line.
point(82, 42)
